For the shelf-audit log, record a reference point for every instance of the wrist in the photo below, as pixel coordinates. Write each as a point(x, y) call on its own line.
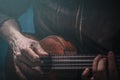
point(14, 37)
point(10, 30)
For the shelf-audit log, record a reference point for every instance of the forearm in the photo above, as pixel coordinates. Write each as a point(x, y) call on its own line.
point(9, 30)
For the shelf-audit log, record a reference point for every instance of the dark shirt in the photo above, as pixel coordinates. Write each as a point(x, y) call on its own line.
point(99, 20)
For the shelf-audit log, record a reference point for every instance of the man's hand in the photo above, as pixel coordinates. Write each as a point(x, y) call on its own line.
point(101, 70)
point(27, 47)
point(26, 51)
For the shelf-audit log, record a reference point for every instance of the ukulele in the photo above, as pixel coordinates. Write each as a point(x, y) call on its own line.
point(63, 59)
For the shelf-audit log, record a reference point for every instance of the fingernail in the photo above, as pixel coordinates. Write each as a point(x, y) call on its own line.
point(42, 51)
point(86, 69)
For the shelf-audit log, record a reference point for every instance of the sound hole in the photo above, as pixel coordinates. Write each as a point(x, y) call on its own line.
point(46, 64)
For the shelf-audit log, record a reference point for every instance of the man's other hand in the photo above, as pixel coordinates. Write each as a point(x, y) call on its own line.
point(101, 70)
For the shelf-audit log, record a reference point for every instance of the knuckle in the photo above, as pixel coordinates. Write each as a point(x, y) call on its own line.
point(24, 49)
point(18, 55)
point(35, 58)
point(34, 42)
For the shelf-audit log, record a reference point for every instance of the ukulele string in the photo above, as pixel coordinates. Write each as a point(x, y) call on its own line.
point(73, 62)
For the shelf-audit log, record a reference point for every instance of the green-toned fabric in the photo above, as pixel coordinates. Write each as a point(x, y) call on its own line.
point(14, 8)
point(3, 18)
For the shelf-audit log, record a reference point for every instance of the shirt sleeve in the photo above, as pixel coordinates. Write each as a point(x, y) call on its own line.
point(3, 18)
point(12, 9)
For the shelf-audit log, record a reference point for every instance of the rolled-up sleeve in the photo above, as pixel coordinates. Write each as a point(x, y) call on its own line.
point(3, 18)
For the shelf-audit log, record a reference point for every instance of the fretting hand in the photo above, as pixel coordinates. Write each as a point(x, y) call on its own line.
point(101, 70)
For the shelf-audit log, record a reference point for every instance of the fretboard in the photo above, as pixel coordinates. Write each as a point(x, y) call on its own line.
point(71, 61)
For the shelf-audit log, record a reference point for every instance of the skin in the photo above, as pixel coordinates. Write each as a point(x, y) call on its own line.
point(23, 47)
point(99, 69)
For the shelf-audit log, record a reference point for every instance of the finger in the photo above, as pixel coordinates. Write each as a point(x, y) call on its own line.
point(19, 73)
point(92, 78)
point(26, 61)
point(28, 72)
point(85, 74)
point(95, 63)
point(95, 66)
point(101, 74)
point(30, 54)
point(39, 50)
point(112, 66)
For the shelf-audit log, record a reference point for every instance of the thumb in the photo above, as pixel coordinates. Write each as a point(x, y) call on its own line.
point(85, 74)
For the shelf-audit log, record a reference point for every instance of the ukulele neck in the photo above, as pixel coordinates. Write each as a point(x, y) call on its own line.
point(72, 61)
